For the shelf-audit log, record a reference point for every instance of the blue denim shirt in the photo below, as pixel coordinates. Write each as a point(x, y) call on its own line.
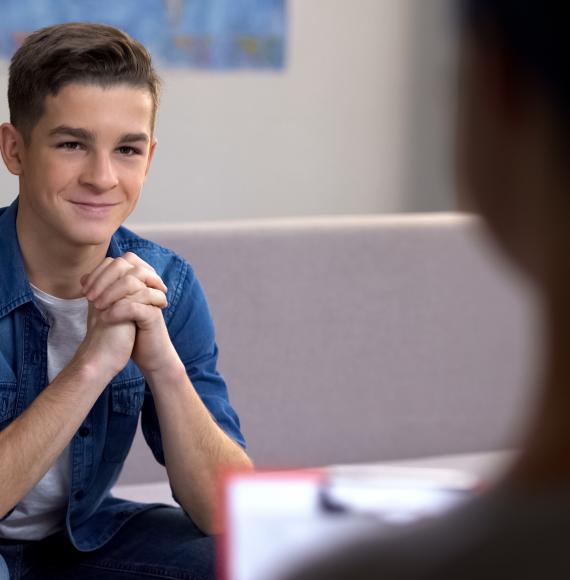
point(100, 445)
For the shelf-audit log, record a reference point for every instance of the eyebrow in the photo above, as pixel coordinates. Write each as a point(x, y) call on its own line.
point(134, 137)
point(89, 136)
point(82, 134)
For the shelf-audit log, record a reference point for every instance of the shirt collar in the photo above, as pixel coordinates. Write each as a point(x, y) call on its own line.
point(15, 288)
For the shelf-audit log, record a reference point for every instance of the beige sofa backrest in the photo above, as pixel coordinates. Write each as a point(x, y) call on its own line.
point(360, 339)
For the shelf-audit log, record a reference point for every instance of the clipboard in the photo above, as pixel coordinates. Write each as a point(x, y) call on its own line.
point(275, 520)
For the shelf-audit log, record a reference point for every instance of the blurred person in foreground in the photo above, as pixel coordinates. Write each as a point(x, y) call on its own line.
point(513, 162)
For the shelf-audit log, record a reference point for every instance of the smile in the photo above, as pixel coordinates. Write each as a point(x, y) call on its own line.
point(93, 209)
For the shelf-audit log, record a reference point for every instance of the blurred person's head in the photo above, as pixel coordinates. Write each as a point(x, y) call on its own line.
point(513, 134)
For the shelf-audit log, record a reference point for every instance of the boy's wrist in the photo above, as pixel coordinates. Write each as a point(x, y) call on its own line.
point(171, 370)
point(91, 370)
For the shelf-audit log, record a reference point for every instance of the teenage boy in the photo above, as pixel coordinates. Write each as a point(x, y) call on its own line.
point(513, 142)
point(97, 324)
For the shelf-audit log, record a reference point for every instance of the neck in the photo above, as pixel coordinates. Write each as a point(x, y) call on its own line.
point(54, 266)
point(545, 460)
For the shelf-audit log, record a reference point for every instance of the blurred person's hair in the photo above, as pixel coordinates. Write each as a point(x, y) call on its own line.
point(534, 34)
point(55, 56)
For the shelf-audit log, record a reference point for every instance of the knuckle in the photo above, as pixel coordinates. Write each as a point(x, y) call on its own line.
point(160, 297)
point(133, 283)
point(141, 271)
point(134, 310)
point(123, 264)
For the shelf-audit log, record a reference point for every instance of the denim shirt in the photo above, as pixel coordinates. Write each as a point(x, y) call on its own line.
point(100, 446)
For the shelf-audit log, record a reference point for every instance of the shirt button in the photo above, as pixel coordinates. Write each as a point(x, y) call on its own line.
point(79, 494)
point(84, 431)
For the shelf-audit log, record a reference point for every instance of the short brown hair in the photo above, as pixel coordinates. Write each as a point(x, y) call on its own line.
point(75, 52)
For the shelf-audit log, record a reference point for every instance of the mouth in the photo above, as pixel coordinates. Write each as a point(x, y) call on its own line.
point(93, 208)
point(93, 204)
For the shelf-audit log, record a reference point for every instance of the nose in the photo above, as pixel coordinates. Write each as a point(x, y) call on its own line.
point(99, 174)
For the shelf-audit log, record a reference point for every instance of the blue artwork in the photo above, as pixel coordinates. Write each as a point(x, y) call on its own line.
point(204, 34)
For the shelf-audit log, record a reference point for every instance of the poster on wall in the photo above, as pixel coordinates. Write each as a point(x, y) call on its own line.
point(213, 35)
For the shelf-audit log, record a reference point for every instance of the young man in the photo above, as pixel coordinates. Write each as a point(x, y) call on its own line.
point(97, 324)
point(513, 143)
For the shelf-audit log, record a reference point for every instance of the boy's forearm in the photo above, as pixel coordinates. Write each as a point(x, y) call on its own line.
point(32, 442)
point(196, 449)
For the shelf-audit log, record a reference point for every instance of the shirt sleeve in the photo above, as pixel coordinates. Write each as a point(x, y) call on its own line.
point(191, 330)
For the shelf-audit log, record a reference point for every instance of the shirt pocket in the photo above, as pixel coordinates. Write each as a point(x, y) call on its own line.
point(126, 400)
point(8, 394)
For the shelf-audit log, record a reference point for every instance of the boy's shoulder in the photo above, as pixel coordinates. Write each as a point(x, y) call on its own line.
point(162, 259)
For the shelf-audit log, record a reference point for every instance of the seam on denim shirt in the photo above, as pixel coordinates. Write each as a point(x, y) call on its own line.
point(22, 369)
point(132, 382)
point(135, 243)
point(18, 301)
point(8, 394)
point(183, 274)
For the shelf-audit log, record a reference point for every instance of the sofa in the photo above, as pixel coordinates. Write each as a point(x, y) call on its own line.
point(359, 339)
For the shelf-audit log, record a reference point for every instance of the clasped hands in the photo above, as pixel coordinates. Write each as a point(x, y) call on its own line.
point(127, 292)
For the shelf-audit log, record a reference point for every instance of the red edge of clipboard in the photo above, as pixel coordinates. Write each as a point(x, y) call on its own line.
point(224, 539)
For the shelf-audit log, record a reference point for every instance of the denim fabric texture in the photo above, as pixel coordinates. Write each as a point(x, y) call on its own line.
point(4, 575)
point(158, 543)
point(101, 444)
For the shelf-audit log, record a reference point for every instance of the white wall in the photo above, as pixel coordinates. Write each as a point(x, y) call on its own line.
point(428, 177)
point(328, 136)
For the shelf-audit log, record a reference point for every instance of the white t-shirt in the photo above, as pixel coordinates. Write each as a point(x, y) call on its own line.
point(41, 512)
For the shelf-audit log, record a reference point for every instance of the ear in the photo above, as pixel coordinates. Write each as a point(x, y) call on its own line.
point(150, 155)
point(12, 148)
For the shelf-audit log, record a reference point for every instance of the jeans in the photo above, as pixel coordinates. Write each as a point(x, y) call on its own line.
point(158, 543)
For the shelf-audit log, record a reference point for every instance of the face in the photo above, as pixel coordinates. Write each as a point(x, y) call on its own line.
point(82, 171)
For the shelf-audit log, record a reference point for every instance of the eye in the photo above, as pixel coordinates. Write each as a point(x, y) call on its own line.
point(128, 150)
point(70, 145)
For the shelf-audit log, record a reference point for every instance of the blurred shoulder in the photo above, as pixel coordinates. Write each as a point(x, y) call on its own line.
point(495, 536)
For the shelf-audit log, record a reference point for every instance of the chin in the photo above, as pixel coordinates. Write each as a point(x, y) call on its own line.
point(92, 235)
